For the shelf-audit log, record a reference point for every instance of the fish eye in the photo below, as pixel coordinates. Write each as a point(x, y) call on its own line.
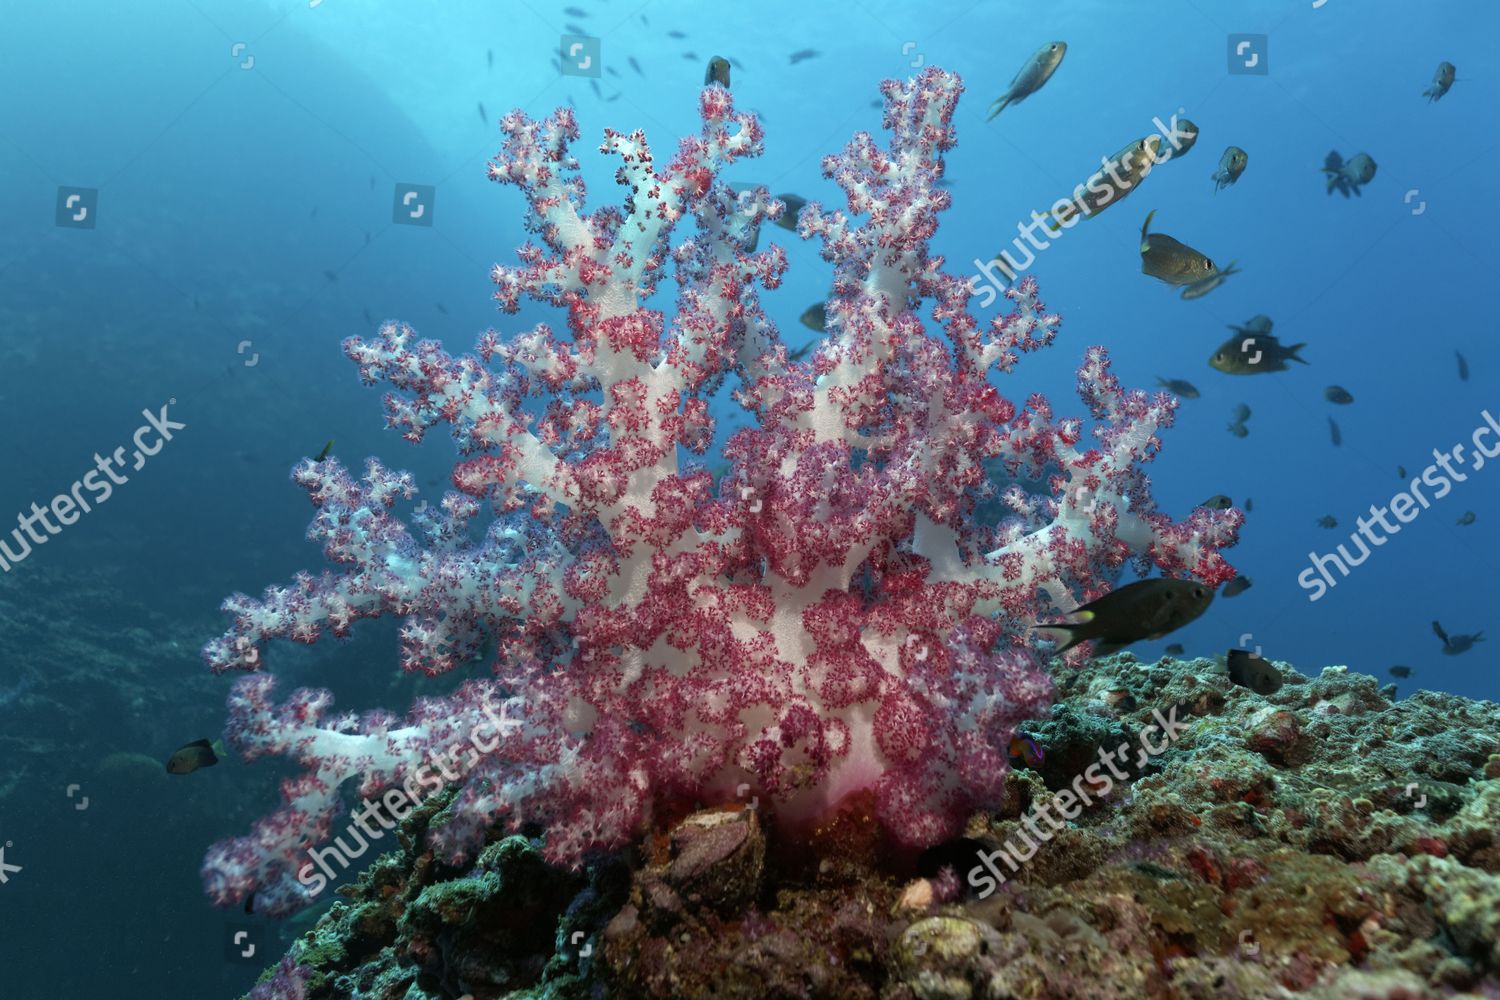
point(1208, 265)
point(1197, 591)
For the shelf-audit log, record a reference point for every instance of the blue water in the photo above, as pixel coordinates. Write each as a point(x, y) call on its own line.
point(225, 193)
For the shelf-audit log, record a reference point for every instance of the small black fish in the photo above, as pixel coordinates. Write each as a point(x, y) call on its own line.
point(1338, 394)
point(330, 276)
point(690, 56)
point(1400, 671)
point(1254, 355)
point(1463, 367)
point(575, 12)
point(676, 34)
point(188, 758)
point(1328, 521)
point(1181, 387)
point(441, 308)
point(1219, 502)
point(788, 219)
point(612, 72)
point(635, 65)
point(594, 86)
point(717, 72)
point(802, 351)
point(1176, 649)
point(1145, 609)
point(484, 115)
point(803, 54)
point(1237, 586)
point(1400, 472)
point(489, 58)
point(1250, 670)
point(615, 97)
point(1333, 432)
point(1455, 644)
point(327, 448)
point(1249, 505)
point(815, 317)
point(1467, 518)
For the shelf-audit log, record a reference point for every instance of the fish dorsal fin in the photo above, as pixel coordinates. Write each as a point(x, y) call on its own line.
point(202, 743)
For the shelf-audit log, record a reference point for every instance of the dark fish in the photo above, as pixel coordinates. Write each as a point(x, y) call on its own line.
point(1184, 136)
point(717, 72)
point(815, 317)
point(1231, 165)
point(594, 85)
point(369, 320)
point(1249, 670)
point(1400, 671)
point(1026, 749)
point(484, 115)
point(1249, 505)
point(803, 54)
point(676, 34)
point(1333, 432)
point(1170, 260)
point(575, 12)
point(802, 351)
point(1442, 80)
point(1238, 429)
point(1175, 649)
point(574, 29)
point(441, 308)
point(327, 448)
point(1241, 413)
point(1328, 521)
point(489, 58)
point(1145, 609)
point(1348, 177)
point(1338, 394)
point(1254, 325)
point(1115, 178)
point(1181, 387)
point(1463, 367)
point(615, 97)
point(1467, 518)
point(1400, 472)
point(1032, 75)
point(1237, 586)
point(1254, 355)
point(1219, 502)
point(1455, 644)
point(634, 65)
point(1198, 289)
point(788, 218)
point(612, 72)
point(187, 759)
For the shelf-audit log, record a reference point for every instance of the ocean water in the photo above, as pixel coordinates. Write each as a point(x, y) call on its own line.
point(234, 170)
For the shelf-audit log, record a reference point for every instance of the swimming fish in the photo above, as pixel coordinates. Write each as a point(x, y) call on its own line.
point(1175, 649)
point(1349, 177)
point(1238, 429)
point(1467, 518)
point(1333, 432)
point(717, 72)
point(1184, 136)
point(1254, 355)
point(1181, 387)
point(1169, 260)
point(190, 757)
point(1231, 165)
point(1455, 644)
point(635, 65)
point(1250, 670)
point(1400, 671)
point(1463, 367)
point(1338, 394)
point(575, 12)
point(1442, 80)
point(815, 317)
point(1026, 749)
point(1219, 502)
point(1400, 472)
point(327, 448)
point(1198, 289)
point(489, 58)
point(803, 54)
point(1328, 521)
point(674, 33)
point(788, 219)
point(1249, 505)
point(1241, 413)
point(1237, 586)
point(1033, 73)
point(1145, 609)
point(802, 351)
point(1114, 179)
point(484, 115)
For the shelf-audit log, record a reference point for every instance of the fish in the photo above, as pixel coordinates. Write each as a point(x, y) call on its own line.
point(575, 12)
point(489, 58)
point(1026, 749)
point(635, 65)
point(1455, 644)
point(1463, 367)
point(326, 449)
point(1145, 609)
point(1442, 80)
point(1400, 670)
point(1237, 586)
point(690, 56)
point(1254, 355)
point(802, 351)
point(191, 756)
point(1253, 326)
point(1249, 505)
point(1250, 670)
point(612, 72)
point(788, 217)
point(441, 308)
point(1033, 73)
point(1181, 387)
point(717, 72)
point(1467, 518)
point(1328, 521)
point(1170, 260)
point(484, 115)
point(1241, 413)
point(801, 55)
point(1115, 178)
point(1333, 432)
point(369, 320)
point(815, 317)
point(1231, 165)
point(1198, 289)
point(1238, 429)
point(574, 29)
point(594, 86)
point(676, 34)
point(1176, 649)
point(1348, 177)
point(1184, 137)
point(1219, 502)
point(1338, 394)
point(331, 276)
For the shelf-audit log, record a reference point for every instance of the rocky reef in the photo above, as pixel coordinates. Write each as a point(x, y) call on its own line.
point(1323, 841)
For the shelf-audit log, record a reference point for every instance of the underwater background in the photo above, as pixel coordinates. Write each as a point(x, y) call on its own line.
point(241, 163)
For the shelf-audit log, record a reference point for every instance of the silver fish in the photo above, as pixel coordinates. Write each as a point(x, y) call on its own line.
point(1170, 260)
point(1231, 165)
point(1033, 73)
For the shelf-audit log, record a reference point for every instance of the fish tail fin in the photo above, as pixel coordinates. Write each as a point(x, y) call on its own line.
point(1291, 352)
point(997, 107)
point(1145, 226)
point(1064, 634)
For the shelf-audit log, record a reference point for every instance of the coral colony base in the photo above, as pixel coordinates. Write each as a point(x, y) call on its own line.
point(830, 619)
